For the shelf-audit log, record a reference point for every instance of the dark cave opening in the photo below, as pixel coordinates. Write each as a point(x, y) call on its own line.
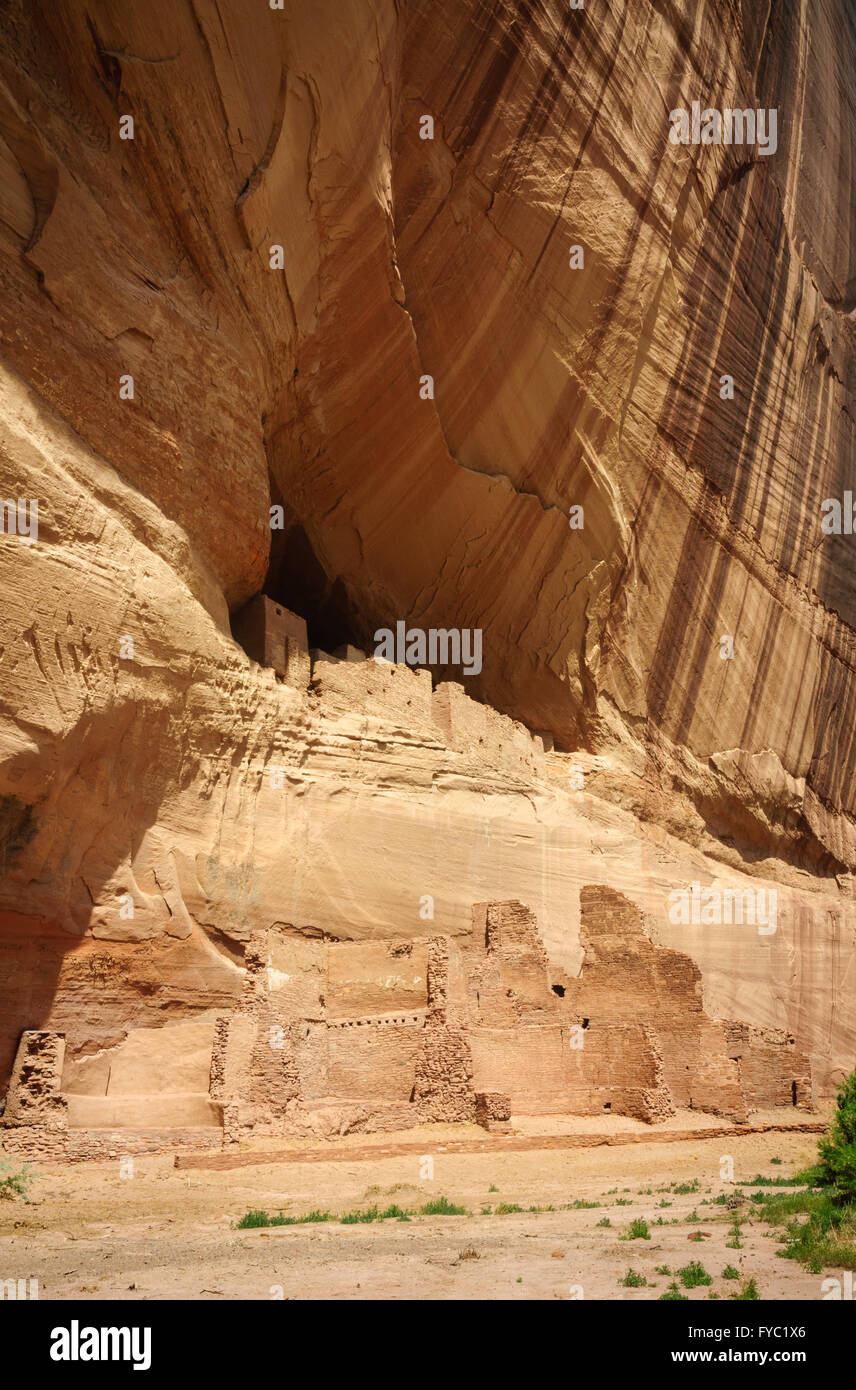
point(297, 579)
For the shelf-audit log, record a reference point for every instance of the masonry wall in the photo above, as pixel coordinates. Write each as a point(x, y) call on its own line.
point(772, 1070)
point(333, 1036)
point(35, 1096)
point(374, 1057)
point(372, 977)
point(274, 636)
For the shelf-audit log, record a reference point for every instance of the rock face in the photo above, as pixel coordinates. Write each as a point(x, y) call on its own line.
point(329, 268)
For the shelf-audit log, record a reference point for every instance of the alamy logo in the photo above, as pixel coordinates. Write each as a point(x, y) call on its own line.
point(76, 1343)
point(436, 647)
point(838, 1288)
point(697, 906)
point(838, 518)
point(17, 1289)
point(15, 522)
point(726, 127)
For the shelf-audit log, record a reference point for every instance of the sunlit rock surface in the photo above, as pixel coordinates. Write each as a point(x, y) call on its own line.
point(149, 776)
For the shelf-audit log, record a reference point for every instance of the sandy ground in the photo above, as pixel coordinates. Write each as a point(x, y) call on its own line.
point(89, 1233)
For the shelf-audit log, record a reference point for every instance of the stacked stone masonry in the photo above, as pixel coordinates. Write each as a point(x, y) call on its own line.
point(330, 1037)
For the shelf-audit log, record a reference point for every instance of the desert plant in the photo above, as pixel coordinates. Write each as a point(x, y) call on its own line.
point(15, 1181)
point(693, 1275)
point(837, 1148)
point(637, 1230)
point(748, 1291)
point(441, 1206)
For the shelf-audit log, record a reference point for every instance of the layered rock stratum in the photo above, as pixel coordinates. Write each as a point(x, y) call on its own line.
point(175, 778)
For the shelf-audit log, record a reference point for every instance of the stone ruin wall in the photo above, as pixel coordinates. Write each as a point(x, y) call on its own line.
point(331, 1037)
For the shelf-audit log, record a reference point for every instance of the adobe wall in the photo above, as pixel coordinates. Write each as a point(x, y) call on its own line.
point(371, 977)
point(626, 977)
point(508, 935)
point(34, 1096)
point(478, 730)
point(772, 1070)
point(335, 1037)
point(374, 689)
point(445, 716)
point(443, 1088)
point(274, 636)
point(373, 1057)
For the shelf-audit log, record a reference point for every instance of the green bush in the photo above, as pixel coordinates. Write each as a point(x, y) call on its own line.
point(14, 1181)
point(837, 1148)
point(748, 1291)
point(694, 1274)
point(637, 1230)
point(441, 1206)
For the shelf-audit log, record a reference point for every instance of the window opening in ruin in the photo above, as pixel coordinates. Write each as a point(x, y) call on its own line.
point(560, 990)
point(585, 1023)
point(793, 1093)
point(607, 1105)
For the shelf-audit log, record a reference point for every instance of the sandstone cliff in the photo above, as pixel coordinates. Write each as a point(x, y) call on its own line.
point(148, 777)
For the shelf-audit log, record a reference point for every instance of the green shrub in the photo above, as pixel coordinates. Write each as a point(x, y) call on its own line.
point(826, 1239)
point(693, 1275)
point(836, 1149)
point(254, 1219)
point(673, 1294)
point(730, 1272)
point(15, 1181)
point(748, 1291)
point(632, 1280)
point(441, 1206)
point(760, 1181)
point(637, 1230)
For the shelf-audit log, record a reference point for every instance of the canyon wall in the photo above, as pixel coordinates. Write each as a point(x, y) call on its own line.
point(163, 798)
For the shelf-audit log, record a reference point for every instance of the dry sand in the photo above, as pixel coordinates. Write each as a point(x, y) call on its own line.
point(89, 1233)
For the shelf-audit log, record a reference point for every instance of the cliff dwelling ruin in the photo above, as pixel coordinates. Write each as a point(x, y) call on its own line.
point(334, 1037)
point(254, 882)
